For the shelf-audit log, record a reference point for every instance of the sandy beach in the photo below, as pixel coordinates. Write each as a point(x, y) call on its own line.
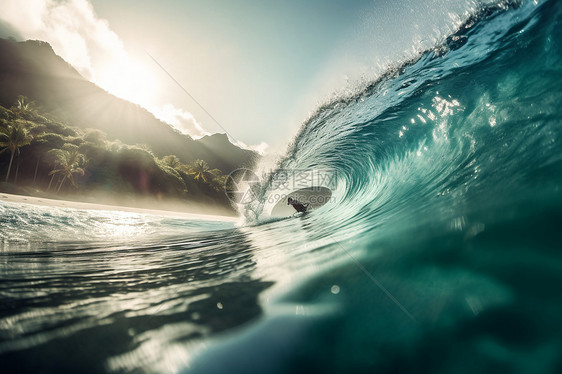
point(21, 199)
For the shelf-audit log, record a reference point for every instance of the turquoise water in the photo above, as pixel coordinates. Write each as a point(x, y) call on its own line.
point(439, 254)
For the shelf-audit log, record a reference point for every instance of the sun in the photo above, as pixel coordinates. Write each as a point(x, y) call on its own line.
point(128, 79)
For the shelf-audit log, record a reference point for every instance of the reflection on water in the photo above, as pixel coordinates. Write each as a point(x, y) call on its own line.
point(139, 301)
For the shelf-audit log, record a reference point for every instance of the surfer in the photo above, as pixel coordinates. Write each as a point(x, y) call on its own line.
point(300, 207)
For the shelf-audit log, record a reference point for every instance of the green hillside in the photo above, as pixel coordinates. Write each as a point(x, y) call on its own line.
point(61, 135)
point(32, 69)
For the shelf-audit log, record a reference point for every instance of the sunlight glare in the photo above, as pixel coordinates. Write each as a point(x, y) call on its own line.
point(128, 79)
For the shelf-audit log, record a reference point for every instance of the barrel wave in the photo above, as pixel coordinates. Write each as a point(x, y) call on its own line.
point(438, 252)
point(472, 122)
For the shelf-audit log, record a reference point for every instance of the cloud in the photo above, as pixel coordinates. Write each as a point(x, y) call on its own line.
point(260, 148)
point(185, 123)
point(71, 27)
point(180, 119)
point(87, 42)
point(84, 40)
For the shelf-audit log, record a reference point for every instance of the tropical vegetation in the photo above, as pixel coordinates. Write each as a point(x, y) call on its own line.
point(12, 138)
point(56, 158)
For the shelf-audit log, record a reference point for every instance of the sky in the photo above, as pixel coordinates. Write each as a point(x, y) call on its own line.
point(254, 69)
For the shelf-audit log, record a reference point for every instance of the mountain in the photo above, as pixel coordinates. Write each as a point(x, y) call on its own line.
point(219, 143)
point(32, 69)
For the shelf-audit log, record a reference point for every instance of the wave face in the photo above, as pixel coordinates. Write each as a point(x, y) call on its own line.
point(469, 124)
point(439, 251)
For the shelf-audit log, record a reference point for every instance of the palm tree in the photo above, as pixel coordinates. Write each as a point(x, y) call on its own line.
point(219, 182)
point(55, 157)
point(22, 106)
point(200, 171)
point(12, 139)
point(171, 161)
point(67, 164)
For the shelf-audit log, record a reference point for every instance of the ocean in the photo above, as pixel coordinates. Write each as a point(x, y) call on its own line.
point(439, 250)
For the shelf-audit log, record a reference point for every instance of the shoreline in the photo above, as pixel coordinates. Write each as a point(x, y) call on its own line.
point(32, 200)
